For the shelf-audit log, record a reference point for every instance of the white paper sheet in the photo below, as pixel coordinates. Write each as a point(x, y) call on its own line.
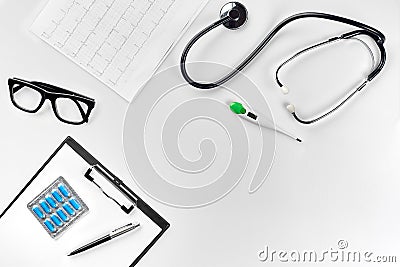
point(120, 42)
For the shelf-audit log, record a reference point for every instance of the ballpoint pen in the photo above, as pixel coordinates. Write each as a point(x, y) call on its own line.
point(113, 234)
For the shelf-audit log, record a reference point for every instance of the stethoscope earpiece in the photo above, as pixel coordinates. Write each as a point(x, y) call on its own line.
point(285, 90)
point(237, 12)
point(291, 108)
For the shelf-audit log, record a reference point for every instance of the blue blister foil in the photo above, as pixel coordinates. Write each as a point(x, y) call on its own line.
point(57, 207)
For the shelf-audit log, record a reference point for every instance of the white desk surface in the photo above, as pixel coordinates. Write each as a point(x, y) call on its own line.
point(341, 183)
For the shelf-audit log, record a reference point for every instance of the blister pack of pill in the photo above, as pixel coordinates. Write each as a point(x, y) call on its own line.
point(57, 207)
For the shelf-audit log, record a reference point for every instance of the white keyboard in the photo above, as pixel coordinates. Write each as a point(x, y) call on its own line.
point(105, 37)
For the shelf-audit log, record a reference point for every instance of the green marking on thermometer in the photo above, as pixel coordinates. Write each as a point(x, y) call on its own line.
point(253, 117)
point(237, 108)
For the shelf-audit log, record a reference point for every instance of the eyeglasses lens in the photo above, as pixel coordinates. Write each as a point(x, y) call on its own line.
point(26, 97)
point(71, 110)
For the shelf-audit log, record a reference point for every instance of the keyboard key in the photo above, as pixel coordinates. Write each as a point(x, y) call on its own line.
point(165, 5)
point(148, 27)
point(140, 38)
point(124, 28)
point(107, 52)
point(156, 15)
point(86, 4)
point(116, 40)
point(142, 5)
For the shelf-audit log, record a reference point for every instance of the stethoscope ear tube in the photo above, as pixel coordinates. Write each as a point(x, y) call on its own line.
point(379, 39)
point(376, 68)
point(381, 64)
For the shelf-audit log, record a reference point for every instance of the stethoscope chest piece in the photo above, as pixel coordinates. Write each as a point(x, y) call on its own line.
point(237, 12)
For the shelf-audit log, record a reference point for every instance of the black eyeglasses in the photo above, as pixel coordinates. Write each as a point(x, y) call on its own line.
point(69, 107)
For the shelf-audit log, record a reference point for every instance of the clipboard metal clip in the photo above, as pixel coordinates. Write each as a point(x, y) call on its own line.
point(126, 201)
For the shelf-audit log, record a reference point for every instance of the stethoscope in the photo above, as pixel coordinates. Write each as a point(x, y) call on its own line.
point(233, 15)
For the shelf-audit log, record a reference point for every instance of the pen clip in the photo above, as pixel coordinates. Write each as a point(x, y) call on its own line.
point(116, 182)
point(124, 229)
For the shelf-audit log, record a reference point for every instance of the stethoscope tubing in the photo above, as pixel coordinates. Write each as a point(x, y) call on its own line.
point(364, 29)
point(367, 30)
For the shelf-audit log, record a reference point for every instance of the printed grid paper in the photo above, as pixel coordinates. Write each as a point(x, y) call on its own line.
point(121, 42)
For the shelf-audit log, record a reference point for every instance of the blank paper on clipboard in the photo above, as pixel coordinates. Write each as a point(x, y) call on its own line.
point(27, 244)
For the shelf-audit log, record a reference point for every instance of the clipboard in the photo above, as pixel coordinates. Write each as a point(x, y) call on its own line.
point(20, 230)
